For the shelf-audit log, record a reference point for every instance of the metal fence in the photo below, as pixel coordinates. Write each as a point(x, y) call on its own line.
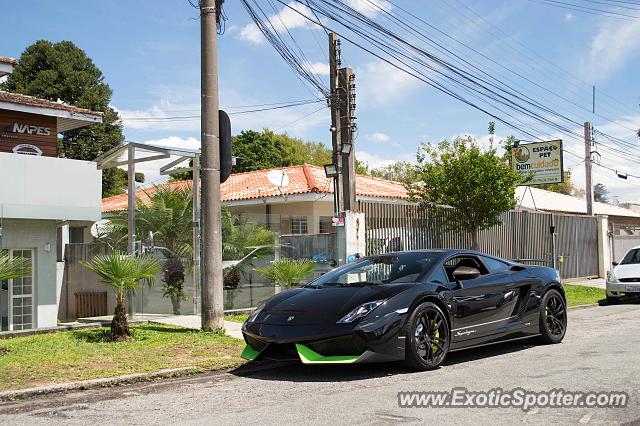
point(524, 236)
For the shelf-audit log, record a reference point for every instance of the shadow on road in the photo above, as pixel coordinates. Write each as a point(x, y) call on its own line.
point(298, 372)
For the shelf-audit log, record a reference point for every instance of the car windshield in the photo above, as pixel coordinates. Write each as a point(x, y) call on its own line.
point(632, 257)
point(381, 269)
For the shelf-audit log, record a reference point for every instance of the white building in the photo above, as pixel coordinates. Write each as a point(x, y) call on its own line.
point(44, 202)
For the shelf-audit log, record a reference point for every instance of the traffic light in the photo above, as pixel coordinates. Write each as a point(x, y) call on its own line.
point(226, 160)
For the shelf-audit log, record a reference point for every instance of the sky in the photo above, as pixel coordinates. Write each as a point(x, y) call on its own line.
point(149, 52)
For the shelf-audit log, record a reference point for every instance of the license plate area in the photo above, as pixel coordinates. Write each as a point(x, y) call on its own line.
point(632, 289)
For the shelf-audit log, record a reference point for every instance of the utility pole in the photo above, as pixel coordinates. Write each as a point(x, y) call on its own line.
point(212, 290)
point(347, 104)
point(334, 103)
point(587, 167)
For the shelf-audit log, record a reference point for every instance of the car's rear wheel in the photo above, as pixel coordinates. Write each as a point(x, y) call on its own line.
point(553, 317)
point(427, 338)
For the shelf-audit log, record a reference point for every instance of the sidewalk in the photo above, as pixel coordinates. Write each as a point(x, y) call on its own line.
point(188, 321)
point(589, 282)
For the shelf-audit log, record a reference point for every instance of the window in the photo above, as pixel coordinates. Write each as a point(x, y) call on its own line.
point(469, 261)
point(299, 225)
point(326, 226)
point(76, 235)
point(439, 276)
point(16, 296)
point(633, 256)
point(494, 265)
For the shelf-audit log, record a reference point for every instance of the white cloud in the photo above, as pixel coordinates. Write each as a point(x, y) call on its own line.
point(186, 103)
point(291, 16)
point(375, 161)
point(151, 169)
point(381, 83)
point(569, 17)
point(370, 8)
point(613, 45)
point(379, 137)
point(319, 68)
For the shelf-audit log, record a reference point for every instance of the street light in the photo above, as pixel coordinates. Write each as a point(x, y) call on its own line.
point(331, 170)
point(346, 147)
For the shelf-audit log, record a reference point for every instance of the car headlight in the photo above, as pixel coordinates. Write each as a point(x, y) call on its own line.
point(361, 311)
point(611, 277)
point(255, 313)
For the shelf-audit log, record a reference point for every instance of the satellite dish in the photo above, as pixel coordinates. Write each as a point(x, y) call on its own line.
point(278, 178)
point(102, 228)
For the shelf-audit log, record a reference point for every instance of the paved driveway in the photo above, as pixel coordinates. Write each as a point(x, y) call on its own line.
point(601, 352)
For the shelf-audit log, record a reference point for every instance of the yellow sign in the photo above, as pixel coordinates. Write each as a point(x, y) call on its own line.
point(541, 161)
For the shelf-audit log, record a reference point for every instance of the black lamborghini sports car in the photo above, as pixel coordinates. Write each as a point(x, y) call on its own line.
point(414, 306)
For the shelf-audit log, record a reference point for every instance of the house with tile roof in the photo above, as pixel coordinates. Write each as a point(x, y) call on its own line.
point(302, 205)
point(45, 202)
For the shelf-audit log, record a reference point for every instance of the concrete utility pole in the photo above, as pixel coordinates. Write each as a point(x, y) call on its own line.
point(347, 128)
point(212, 290)
point(587, 167)
point(131, 197)
point(334, 103)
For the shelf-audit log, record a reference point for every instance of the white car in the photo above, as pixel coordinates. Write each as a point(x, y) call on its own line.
point(624, 279)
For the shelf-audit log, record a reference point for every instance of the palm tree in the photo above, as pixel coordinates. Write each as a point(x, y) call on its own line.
point(123, 272)
point(287, 272)
point(239, 238)
point(11, 268)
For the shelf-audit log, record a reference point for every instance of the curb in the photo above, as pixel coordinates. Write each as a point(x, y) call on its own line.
point(578, 307)
point(12, 395)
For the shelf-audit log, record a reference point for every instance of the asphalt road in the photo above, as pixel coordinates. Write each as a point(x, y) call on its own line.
point(600, 352)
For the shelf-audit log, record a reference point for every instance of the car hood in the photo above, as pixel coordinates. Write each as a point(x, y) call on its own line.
point(313, 306)
point(631, 270)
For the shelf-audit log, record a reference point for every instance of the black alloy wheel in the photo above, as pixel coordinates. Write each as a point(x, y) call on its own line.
point(427, 337)
point(553, 317)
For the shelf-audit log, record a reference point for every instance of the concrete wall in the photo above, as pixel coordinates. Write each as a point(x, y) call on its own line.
point(313, 210)
point(49, 188)
point(39, 236)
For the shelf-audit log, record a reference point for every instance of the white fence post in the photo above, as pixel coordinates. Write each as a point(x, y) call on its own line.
point(604, 254)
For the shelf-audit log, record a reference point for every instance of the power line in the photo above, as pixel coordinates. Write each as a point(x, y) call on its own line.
point(193, 117)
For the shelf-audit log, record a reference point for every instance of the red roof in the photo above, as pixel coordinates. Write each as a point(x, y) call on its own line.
point(303, 179)
point(10, 61)
point(16, 98)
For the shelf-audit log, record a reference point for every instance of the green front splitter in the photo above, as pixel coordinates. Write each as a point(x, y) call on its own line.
point(309, 356)
point(249, 353)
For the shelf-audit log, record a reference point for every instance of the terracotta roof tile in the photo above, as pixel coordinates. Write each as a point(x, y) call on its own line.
point(16, 98)
point(7, 60)
point(303, 179)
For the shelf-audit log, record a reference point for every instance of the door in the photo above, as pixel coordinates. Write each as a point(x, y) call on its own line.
point(16, 296)
point(482, 305)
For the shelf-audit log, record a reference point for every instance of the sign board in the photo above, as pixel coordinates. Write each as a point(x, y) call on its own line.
point(542, 161)
point(30, 134)
point(337, 221)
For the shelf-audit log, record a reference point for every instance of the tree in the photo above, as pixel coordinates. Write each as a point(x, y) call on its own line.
point(600, 193)
point(11, 268)
point(287, 272)
point(122, 273)
point(566, 187)
point(62, 71)
point(478, 184)
point(399, 171)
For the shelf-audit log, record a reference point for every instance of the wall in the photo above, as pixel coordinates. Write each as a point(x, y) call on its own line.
point(49, 188)
point(312, 209)
point(35, 235)
point(21, 128)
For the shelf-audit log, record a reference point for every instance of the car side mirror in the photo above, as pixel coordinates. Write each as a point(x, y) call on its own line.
point(615, 263)
point(464, 273)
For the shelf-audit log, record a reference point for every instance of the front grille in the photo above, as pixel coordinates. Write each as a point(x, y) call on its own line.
point(281, 352)
point(343, 345)
point(629, 280)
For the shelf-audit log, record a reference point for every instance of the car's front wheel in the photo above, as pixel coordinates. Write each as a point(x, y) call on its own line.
point(427, 338)
point(553, 317)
